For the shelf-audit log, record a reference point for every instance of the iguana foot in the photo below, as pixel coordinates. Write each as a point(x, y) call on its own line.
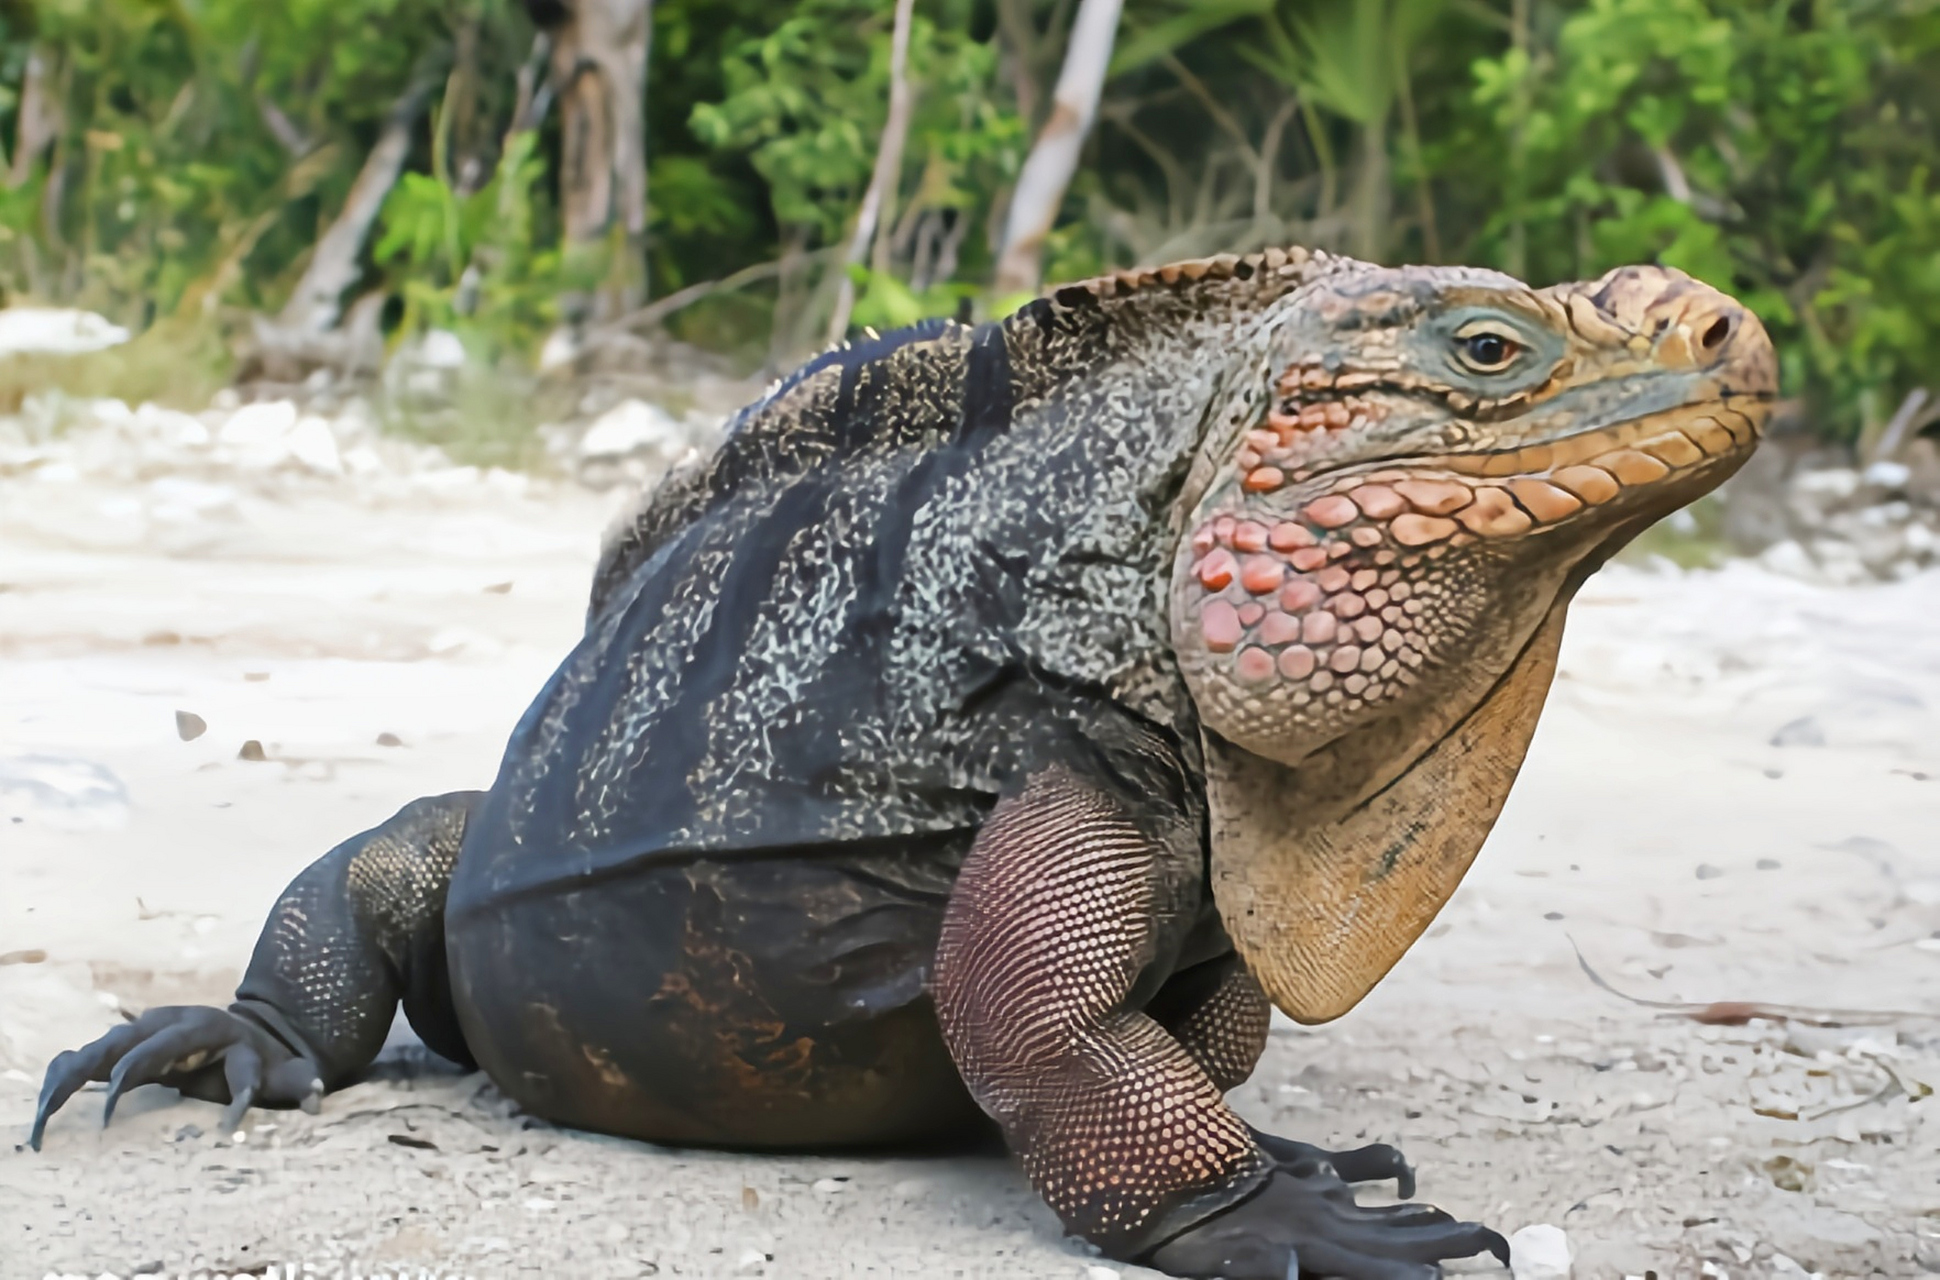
point(1304, 1222)
point(1376, 1162)
point(183, 1046)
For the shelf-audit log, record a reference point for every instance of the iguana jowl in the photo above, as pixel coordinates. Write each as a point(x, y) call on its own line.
point(1023, 707)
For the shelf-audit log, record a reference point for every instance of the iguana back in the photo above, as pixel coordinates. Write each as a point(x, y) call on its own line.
point(837, 627)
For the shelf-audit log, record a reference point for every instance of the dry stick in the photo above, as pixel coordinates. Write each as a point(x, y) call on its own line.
point(1020, 36)
point(526, 88)
point(1431, 239)
point(287, 135)
point(1268, 155)
point(1176, 178)
point(1054, 156)
point(1906, 421)
point(661, 308)
point(1221, 117)
point(313, 304)
point(38, 120)
point(878, 203)
point(1736, 1013)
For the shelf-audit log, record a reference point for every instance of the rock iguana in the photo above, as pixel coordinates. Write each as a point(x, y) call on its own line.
point(1002, 719)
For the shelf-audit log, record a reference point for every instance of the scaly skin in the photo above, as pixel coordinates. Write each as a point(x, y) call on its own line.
point(1371, 553)
point(1001, 717)
point(1346, 547)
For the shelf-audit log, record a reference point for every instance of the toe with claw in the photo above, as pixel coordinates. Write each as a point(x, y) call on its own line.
point(1305, 1222)
point(1376, 1162)
point(209, 1053)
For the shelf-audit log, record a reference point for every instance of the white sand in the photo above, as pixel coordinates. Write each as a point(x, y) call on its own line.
point(1656, 824)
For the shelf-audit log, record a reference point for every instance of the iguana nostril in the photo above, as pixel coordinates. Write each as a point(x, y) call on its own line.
point(1719, 332)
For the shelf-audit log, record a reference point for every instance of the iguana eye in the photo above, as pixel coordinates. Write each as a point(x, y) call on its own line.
point(1486, 350)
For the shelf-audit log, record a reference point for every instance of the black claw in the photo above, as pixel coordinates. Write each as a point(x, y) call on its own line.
point(177, 1046)
point(116, 1083)
point(232, 1114)
point(55, 1090)
point(1413, 1215)
point(242, 1071)
point(148, 1062)
point(1374, 1163)
point(1349, 1263)
point(1306, 1213)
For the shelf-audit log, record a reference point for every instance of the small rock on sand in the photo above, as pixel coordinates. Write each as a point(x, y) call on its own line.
point(1802, 732)
point(1540, 1252)
point(73, 795)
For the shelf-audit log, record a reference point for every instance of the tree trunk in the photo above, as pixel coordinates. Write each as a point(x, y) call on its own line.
point(312, 307)
point(599, 67)
point(1054, 156)
point(37, 122)
point(879, 202)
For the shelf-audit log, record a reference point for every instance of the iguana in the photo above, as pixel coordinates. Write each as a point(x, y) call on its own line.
point(1001, 718)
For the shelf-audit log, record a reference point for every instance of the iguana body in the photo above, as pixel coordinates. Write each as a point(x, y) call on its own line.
point(1020, 708)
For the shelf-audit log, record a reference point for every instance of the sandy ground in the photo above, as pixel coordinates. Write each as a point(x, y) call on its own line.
point(1733, 796)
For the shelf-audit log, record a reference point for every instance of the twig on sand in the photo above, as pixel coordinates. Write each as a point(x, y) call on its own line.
point(1736, 1013)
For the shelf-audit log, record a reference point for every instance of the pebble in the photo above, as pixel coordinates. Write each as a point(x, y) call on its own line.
point(1802, 732)
point(1540, 1252)
point(1840, 525)
point(634, 426)
point(58, 331)
point(61, 792)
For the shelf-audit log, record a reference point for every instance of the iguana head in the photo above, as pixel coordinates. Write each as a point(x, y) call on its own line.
point(1389, 513)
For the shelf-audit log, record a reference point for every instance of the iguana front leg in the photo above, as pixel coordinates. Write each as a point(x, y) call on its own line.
point(357, 930)
point(1219, 1015)
point(1069, 895)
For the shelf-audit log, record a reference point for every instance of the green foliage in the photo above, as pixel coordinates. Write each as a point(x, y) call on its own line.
point(1784, 149)
point(806, 103)
point(471, 263)
point(884, 300)
point(1781, 151)
point(168, 178)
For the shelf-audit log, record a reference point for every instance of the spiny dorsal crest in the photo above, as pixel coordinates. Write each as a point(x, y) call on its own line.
point(1269, 266)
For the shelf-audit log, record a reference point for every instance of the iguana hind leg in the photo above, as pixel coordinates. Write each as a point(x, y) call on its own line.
point(1075, 888)
point(359, 929)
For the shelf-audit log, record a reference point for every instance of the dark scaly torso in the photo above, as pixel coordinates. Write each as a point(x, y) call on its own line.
point(900, 573)
point(708, 880)
point(915, 570)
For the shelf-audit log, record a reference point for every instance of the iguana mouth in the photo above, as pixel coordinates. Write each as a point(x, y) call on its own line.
point(1508, 492)
point(1676, 438)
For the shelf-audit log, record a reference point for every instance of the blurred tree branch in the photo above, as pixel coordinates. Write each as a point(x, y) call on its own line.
point(1054, 156)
